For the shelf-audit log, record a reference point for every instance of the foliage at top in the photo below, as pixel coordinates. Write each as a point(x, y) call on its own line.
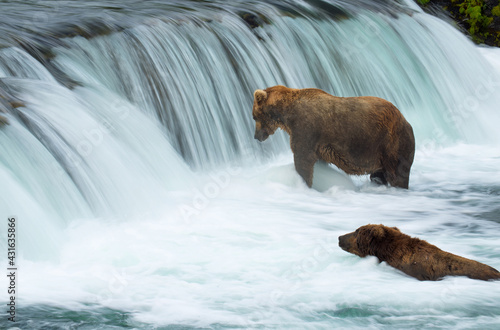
point(481, 18)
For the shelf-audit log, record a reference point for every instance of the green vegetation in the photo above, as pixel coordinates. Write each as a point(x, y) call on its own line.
point(477, 21)
point(496, 11)
point(481, 18)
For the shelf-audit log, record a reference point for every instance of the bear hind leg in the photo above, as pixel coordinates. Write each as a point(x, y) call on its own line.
point(400, 181)
point(401, 178)
point(397, 170)
point(378, 178)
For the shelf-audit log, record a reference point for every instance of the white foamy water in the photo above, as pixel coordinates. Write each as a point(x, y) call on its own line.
point(244, 249)
point(141, 204)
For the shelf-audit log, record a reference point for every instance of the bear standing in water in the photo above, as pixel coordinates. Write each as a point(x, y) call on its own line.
point(360, 135)
point(413, 256)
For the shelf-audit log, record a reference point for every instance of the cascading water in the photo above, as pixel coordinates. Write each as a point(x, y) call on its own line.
point(195, 76)
point(143, 199)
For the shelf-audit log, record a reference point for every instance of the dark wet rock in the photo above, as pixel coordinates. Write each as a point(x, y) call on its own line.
point(44, 55)
point(254, 21)
point(328, 8)
point(8, 103)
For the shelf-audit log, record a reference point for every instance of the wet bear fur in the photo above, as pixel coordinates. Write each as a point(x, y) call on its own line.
point(412, 256)
point(360, 135)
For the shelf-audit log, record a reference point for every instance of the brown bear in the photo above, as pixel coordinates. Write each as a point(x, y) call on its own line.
point(360, 135)
point(413, 256)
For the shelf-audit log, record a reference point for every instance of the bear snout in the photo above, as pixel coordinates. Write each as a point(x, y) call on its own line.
point(261, 135)
point(348, 243)
point(344, 242)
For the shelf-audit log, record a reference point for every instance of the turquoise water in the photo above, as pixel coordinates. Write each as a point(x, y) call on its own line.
point(143, 200)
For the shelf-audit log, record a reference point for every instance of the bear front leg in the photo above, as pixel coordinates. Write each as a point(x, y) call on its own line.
point(304, 165)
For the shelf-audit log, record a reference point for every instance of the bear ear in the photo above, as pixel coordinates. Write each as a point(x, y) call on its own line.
point(377, 232)
point(396, 228)
point(260, 96)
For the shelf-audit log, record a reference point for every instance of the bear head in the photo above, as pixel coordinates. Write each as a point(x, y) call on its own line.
point(267, 106)
point(367, 240)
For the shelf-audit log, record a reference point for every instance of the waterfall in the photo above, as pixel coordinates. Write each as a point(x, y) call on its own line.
point(196, 76)
point(144, 201)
